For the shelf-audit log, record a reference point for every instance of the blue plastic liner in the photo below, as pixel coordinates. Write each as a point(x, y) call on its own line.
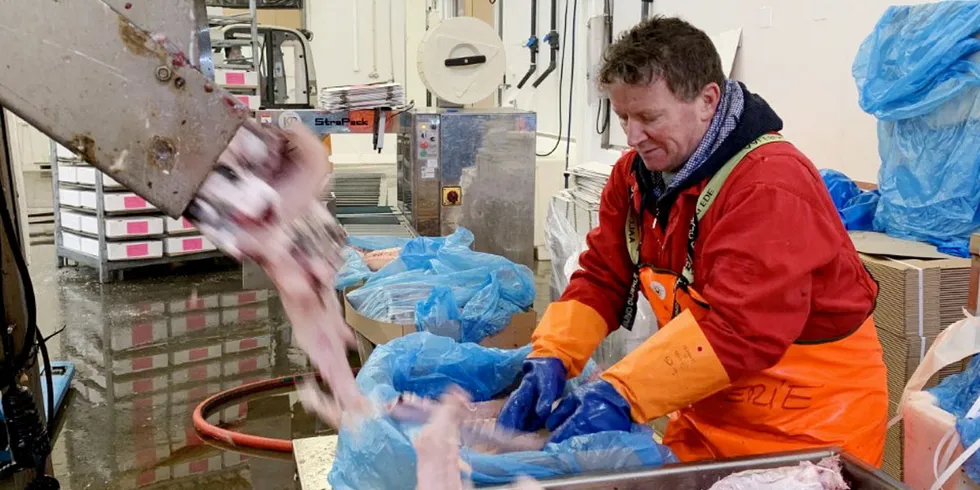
point(379, 453)
point(919, 74)
point(855, 206)
point(444, 287)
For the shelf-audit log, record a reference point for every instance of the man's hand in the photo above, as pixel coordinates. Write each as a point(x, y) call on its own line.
point(593, 407)
point(528, 408)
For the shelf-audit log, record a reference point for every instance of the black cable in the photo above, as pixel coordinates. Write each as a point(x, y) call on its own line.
point(48, 381)
point(561, 83)
point(571, 89)
point(602, 124)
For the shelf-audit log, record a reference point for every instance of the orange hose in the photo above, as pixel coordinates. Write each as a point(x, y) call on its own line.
point(212, 403)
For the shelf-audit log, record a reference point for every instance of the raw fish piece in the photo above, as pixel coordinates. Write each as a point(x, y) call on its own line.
point(825, 475)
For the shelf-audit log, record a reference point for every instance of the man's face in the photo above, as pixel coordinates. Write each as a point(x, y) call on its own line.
point(663, 128)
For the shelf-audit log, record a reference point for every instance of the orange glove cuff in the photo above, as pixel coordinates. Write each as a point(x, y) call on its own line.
point(569, 331)
point(672, 369)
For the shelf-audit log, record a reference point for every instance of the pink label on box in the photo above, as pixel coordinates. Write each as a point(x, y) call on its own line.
point(141, 363)
point(247, 297)
point(197, 354)
point(243, 99)
point(134, 202)
point(186, 224)
point(142, 385)
point(248, 313)
point(142, 333)
point(193, 244)
point(198, 372)
point(246, 365)
point(196, 322)
point(235, 78)
point(248, 344)
point(138, 227)
point(199, 466)
point(137, 250)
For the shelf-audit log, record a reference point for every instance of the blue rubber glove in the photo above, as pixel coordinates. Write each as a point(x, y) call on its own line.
point(593, 407)
point(528, 408)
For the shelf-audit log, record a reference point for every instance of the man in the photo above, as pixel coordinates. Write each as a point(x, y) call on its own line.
point(766, 341)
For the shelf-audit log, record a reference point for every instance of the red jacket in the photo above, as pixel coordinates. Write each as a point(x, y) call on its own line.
point(772, 258)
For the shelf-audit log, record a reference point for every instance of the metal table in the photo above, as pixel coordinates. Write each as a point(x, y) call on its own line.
point(700, 476)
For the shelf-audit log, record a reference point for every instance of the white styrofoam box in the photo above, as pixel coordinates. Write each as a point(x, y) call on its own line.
point(177, 226)
point(189, 398)
point(130, 227)
point(70, 197)
point(124, 201)
point(154, 474)
point(236, 78)
point(242, 345)
point(196, 373)
point(139, 335)
point(144, 249)
point(67, 173)
point(197, 354)
point(72, 221)
point(193, 322)
point(244, 297)
point(141, 385)
point(232, 458)
point(243, 314)
point(252, 101)
point(140, 363)
point(113, 201)
point(182, 245)
point(146, 457)
point(197, 467)
point(247, 364)
point(194, 304)
point(87, 176)
point(234, 414)
point(65, 153)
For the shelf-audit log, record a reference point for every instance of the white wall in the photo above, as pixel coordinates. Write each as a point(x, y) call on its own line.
point(797, 54)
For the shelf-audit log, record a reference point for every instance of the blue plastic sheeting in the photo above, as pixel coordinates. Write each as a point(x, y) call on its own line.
point(444, 287)
point(956, 395)
point(379, 453)
point(919, 74)
point(855, 206)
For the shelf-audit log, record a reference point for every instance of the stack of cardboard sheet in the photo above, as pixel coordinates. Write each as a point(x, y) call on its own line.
point(917, 299)
point(354, 97)
point(580, 202)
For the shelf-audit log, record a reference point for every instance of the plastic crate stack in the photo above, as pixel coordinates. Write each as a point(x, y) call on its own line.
point(100, 223)
point(242, 82)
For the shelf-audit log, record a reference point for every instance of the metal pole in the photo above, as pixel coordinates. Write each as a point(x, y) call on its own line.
point(253, 12)
point(645, 7)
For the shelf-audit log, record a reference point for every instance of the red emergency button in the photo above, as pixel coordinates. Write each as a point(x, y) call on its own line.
point(424, 145)
point(452, 197)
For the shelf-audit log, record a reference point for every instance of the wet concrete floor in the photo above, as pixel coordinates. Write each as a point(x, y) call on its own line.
point(146, 354)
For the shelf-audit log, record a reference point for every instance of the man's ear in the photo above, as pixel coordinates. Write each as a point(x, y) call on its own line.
point(708, 101)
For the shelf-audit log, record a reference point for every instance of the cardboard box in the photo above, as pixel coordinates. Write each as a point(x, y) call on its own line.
point(516, 334)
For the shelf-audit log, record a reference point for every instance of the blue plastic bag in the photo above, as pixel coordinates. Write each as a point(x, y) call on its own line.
point(855, 206)
point(379, 453)
point(442, 279)
point(956, 395)
point(355, 270)
point(919, 74)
